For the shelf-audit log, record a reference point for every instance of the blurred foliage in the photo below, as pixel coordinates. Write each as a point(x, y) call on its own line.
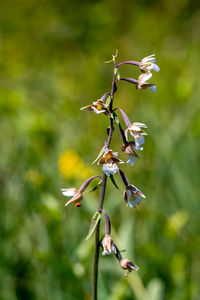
point(52, 57)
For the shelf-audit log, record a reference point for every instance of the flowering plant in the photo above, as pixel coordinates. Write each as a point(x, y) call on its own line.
point(110, 161)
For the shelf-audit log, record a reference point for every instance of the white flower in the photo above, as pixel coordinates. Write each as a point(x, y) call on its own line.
point(138, 134)
point(98, 107)
point(143, 84)
point(109, 161)
point(148, 63)
point(110, 168)
point(132, 195)
point(108, 245)
point(75, 194)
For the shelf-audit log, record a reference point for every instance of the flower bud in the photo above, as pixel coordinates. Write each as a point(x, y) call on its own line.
point(126, 264)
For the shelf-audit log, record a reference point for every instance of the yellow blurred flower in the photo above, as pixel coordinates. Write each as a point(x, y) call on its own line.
point(71, 165)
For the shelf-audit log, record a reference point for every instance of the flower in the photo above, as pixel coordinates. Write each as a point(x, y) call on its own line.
point(98, 107)
point(110, 169)
point(148, 63)
point(142, 84)
point(126, 264)
point(132, 195)
point(109, 162)
point(129, 149)
point(108, 245)
point(138, 134)
point(76, 196)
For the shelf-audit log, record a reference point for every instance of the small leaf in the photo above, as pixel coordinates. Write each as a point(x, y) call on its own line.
point(95, 219)
point(99, 155)
point(113, 181)
point(107, 101)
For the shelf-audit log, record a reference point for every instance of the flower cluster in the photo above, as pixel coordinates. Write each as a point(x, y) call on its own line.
point(109, 160)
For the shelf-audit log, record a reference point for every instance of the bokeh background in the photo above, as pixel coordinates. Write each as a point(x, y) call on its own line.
point(52, 57)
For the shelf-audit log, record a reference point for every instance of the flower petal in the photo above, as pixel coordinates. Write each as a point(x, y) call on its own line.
point(136, 201)
point(69, 192)
point(153, 88)
point(109, 169)
point(131, 160)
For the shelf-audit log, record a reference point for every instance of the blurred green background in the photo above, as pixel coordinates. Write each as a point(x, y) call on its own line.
point(52, 57)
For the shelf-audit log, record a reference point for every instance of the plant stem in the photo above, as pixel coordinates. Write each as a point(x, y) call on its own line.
point(101, 200)
point(96, 253)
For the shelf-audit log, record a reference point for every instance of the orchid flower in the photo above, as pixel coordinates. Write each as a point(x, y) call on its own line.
point(77, 194)
point(142, 84)
point(148, 63)
point(128, 148)
point(98, 107)
point(109, 162)
point(132, 195)
point(126, 264)
point(108, 245)
point(138, 134)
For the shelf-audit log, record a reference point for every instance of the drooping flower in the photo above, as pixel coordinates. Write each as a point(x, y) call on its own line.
point(132, 195)
point(76, 196)
point(148, 63)
point(126, 264)
point(98, 107)
point(109, 162)
point(128, 148)
point(138, 134)
point(143, 84)
point(108, 245)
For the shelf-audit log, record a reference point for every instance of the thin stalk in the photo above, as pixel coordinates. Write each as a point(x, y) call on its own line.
point(101, 200)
